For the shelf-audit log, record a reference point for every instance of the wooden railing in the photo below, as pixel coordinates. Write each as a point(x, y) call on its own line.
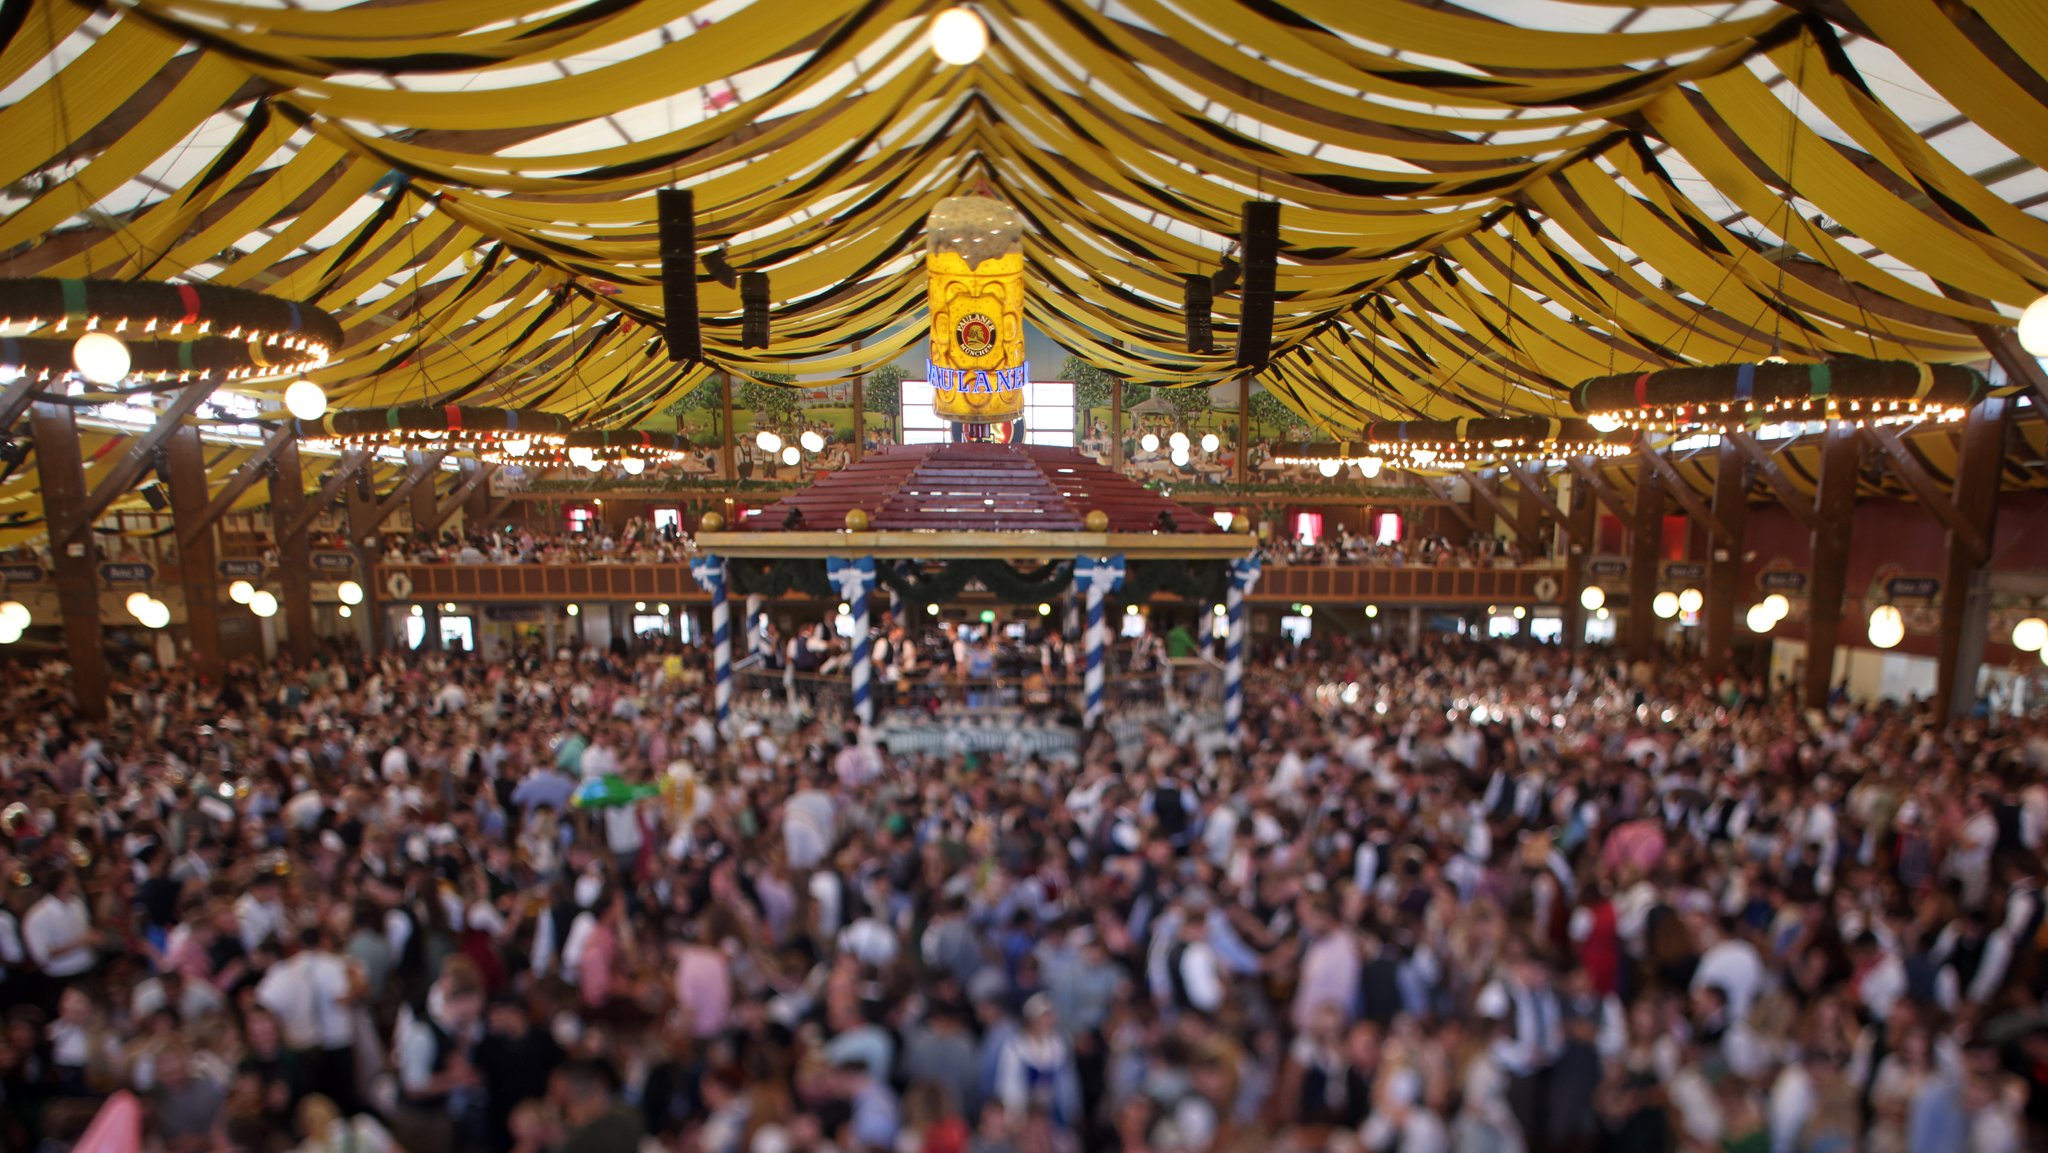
point(563, 583)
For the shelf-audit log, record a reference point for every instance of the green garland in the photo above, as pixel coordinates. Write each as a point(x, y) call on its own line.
point(1195, 581)
point(947, 583)
point(777, 578)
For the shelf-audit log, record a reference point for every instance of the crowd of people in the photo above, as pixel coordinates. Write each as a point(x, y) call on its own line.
point(1470, 899)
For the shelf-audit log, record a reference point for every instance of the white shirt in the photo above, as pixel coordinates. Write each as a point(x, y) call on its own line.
point(260, 920)
point(50, 926)
point(1733, 966)
point(600, 761)
point(307, 992)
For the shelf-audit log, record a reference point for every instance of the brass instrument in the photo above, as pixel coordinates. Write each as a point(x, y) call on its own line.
point(13, 818)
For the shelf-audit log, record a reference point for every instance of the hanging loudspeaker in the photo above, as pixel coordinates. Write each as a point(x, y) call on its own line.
point(1260, 239)
point(1196, 300)
point(675, 213)
point(753, 310)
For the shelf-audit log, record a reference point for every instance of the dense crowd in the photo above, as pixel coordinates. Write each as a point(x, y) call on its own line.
point(1474, 899)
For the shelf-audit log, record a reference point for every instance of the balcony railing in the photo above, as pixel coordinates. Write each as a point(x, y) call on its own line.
point(563, 583)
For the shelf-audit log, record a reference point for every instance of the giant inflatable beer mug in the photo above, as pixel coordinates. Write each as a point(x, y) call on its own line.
point(974, 258)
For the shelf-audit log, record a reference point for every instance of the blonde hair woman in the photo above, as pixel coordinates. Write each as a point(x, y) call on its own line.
point(325, 1130)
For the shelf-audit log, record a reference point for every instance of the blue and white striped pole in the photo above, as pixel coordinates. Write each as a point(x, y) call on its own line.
point(1098, 577)
point(1244, 574)
point(856, 580)
point(709, 572)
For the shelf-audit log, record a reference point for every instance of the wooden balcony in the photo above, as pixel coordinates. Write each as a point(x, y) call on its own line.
point(1282, 584)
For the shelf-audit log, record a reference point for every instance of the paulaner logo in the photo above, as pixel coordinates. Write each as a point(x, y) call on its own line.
point(976, 381)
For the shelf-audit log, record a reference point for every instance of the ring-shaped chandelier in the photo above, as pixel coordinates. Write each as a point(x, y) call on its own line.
point(453, 428)
point(594, 450)
point(112, 330)
point(1487, 440)
point(1733, 397)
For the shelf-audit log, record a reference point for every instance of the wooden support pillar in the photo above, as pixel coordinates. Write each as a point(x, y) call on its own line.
point(1116, 424)
point(478, 504)
point(363, 542)
point(1579, 524)
point(860, 411)
point(198, 569)
point(60, 472)
point(425, 507)
point(1530, 528)
point(1966, 586)
point(1646, 538)
point(294, 556)
point(728, 444)
point(1834, 508)
point(1244, 432)
point(1724, 557)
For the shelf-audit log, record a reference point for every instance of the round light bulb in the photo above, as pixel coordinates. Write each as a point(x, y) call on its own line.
point(958, 36)
point(1370, 467)
point(1887, 626)
point(1761, 618)
point(1600, 614)
point(1180, 458)
point(100, 358)
point(2034, 327)
point(1521, 613)
point(1604, 422)
point(264, 603)
point(420, 612)
point(518, 446)
point(350, 592)
point(15, 613)
point(448, 607)
point(767, 441)
point(1665, 605)
point(1777, 605)
point(574, 610)
point(9, 373)
point(1423, 456)
point(1178, 440)
point(662, 608)
point(156, 614)
point(1149, 442)
point(633, 465)
point(135, 602)
point(791, 456)
point(240, 592)
point(1211, 442)
point(811, 441)
point(1372, 610)
point(2030, 634)
point(1691, 600)
point(594, 465)
point(346, 612)
point(581, 457)
point(305, 400)
point(1329, 468)
point(9, 632)
point(931, 610)
point(1308, 611)
point(1593, 598)
point(1044, 610)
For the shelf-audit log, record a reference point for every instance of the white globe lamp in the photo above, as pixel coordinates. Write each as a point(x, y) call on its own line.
point(958, 36)
point(100, 358)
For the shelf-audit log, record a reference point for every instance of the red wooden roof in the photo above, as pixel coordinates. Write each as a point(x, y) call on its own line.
point(977, 488)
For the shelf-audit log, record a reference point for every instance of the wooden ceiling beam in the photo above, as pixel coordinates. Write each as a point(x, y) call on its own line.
point(1535, 486)
point(352, 462)
point(422, 469)
point(1605, 491)
point(1929, 492)
point(1687, 498)
point(236, 485)
point(1788, 494)
point(137, 461)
